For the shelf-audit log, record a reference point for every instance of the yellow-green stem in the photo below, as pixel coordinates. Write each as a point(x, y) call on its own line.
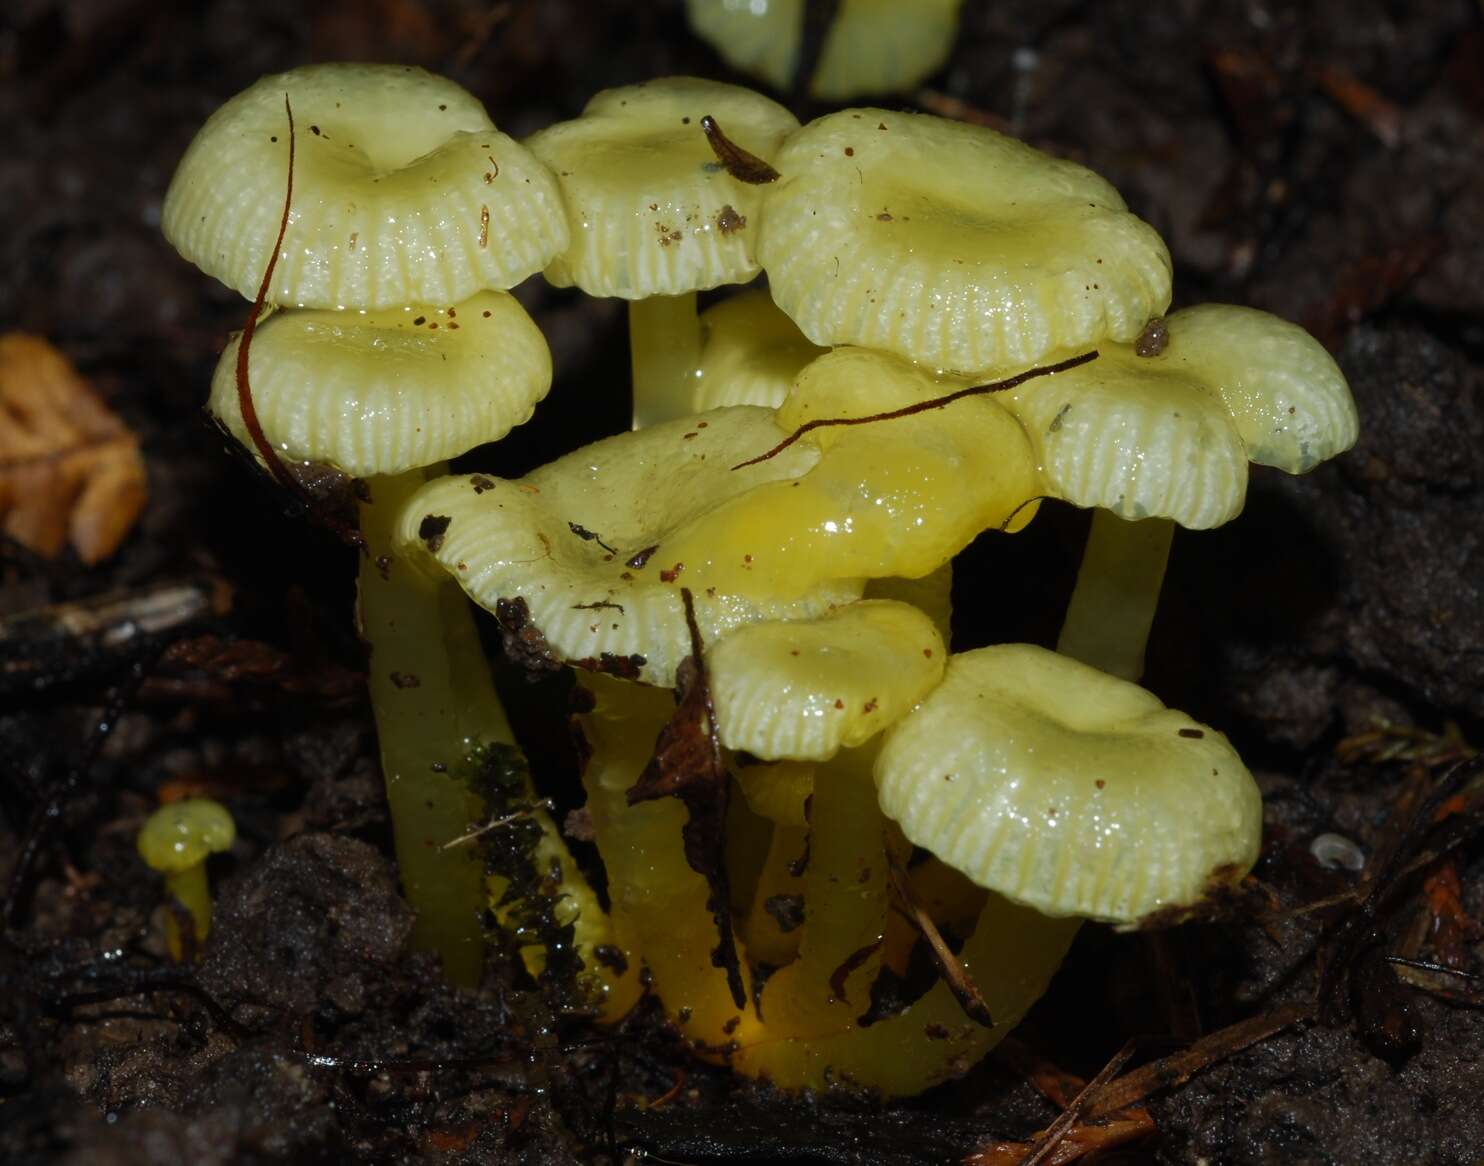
point(665, 353)
point(189, 888)
point(1112, 608)
point(433, 701)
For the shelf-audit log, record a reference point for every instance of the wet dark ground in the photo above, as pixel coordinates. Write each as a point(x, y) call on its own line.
point(1324, 161)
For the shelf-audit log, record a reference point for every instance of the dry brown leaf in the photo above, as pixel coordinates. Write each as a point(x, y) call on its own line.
point(70, 470)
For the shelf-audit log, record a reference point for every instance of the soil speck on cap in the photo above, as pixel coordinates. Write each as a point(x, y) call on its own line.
point(432, 529)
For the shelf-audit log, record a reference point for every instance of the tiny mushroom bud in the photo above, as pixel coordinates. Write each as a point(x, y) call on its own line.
point(176, 840)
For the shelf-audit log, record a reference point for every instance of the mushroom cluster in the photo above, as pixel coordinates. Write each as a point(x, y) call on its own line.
point(793, 784)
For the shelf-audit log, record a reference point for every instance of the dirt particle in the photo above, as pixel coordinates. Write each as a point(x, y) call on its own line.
point(432, 529)
point(1153, 339)
point(728, 220)
point(405, 680)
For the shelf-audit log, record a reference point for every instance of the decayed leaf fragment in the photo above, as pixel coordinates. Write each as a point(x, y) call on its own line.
point(70, 470)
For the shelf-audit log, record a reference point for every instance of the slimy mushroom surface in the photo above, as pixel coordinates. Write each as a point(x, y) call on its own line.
point(1170, 435)
point(656, 218)
point(404, 192)
point(1069, 790)
point(610, 587)
point(783, 538)
point(952, 245)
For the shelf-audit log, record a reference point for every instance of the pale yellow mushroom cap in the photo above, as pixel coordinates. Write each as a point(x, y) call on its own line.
point(1170, 435)
point(1287, 397)
point(872, 47)
point(750, 353)
point(506, 540)
point(952, 245)
point(404, 192)
point(652, 211)
point(887, 498)
point(386, 391)
point(781, 539)
point(1069, 790)
point(805, 689)
point(180, 835)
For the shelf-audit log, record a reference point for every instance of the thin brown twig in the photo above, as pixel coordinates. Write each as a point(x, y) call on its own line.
point(1045, 1143)
point(954, 974)
point(923, 406)
point(1177, 1068)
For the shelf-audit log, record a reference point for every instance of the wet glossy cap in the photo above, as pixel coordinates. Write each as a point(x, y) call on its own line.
point(1069, 790)
point(180, 835)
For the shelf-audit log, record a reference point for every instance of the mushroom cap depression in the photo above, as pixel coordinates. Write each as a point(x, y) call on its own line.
point(1069, 790)
point(1169, 435)
point(404, 192)
point(952, 245)
point(180, 835)
point(386, 391)
point(652, 211)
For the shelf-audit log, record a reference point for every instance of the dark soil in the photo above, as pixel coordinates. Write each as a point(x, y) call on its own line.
point(1321, 160)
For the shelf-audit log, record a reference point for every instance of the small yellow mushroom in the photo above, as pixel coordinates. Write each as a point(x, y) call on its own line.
point(176, 840)
point(655, 218)
point(952, 245)
point(1160, 434)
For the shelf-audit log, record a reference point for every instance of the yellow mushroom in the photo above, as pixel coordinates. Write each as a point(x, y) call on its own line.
point(656, 219)
point(952, 245)
point(750, 354)
point(871, 47)
point(391, 162)
point(176, 841)
point(1163, 438)
point(387, 396)
point(598, 544)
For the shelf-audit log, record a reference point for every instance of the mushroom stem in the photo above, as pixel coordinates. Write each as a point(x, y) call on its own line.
point(1011, 957)
point(1112, 607)
point(189, 888)
point(659, 904)
point(845, 905)
point(665, 354)
point(434, 701)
